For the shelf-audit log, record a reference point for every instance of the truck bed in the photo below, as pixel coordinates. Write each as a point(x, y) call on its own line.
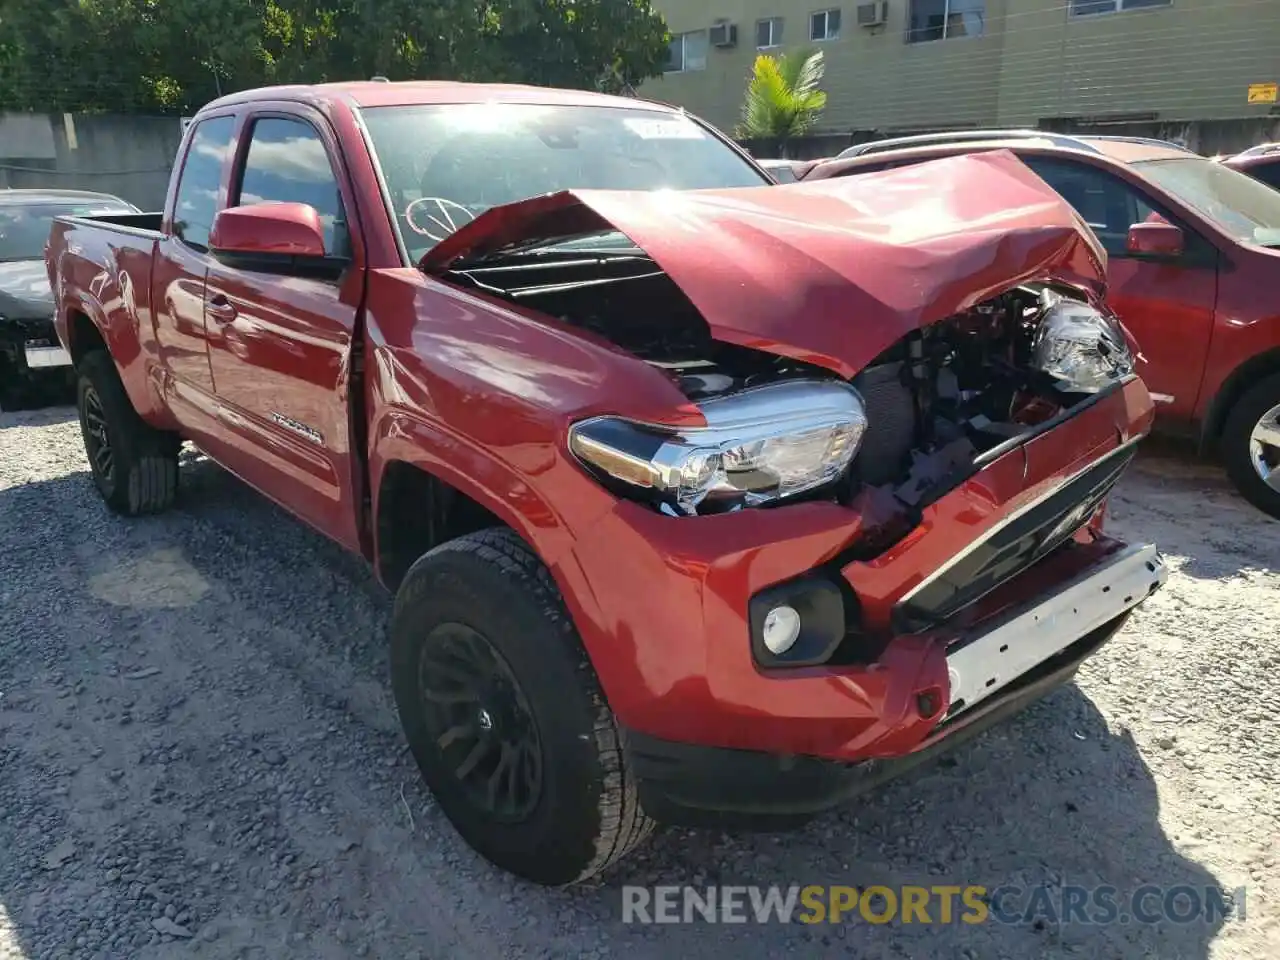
point(102, 266)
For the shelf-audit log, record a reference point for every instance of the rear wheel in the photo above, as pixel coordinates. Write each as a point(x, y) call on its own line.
point(505, 716)
point(1251, 445)
point(134, 465)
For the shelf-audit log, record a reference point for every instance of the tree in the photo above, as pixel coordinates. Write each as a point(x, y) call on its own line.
point(175, 55)
point(783, 100)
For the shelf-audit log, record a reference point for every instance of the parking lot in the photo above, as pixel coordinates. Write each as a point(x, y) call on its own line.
point(199, 756)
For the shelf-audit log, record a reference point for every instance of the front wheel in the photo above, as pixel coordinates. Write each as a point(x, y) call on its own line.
point(1251, 445)
point(504, 714)
point(134, 465)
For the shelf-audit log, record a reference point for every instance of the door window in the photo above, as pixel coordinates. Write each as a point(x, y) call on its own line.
point(200, 187)
point(1108, 204)
point(287, 163)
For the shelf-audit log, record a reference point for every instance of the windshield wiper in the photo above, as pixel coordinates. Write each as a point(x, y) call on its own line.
point(539, 251)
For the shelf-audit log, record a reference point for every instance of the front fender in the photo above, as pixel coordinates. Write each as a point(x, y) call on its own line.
point(406, 436)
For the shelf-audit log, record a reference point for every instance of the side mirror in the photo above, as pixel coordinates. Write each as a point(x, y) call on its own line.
point(285, 238)
point(1155, 240)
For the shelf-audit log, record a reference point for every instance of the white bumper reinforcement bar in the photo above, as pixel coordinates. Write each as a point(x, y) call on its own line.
point(982, 664)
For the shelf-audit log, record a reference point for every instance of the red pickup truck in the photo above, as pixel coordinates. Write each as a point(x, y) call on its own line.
point(704, 501)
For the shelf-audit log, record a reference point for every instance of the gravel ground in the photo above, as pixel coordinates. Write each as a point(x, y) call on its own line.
point(199, 757)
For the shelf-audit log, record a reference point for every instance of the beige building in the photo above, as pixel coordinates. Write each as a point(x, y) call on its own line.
point(930, 64)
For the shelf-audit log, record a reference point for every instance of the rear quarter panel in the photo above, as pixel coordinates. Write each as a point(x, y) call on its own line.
point(102, 273)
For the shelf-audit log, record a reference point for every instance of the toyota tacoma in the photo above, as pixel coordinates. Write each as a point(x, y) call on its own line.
point(703, 501)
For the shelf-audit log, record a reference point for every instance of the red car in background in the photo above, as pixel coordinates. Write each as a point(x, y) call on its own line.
point(1194, 260)
point(1261, 162)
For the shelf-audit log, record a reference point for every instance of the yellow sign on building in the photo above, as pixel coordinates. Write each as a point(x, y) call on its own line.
point(1263, 92)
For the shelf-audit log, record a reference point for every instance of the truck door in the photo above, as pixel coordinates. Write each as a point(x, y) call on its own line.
point(178, 275)
point(1167, 304)
point(280, 346)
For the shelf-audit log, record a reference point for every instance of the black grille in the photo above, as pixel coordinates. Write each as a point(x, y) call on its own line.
point(1012, 548)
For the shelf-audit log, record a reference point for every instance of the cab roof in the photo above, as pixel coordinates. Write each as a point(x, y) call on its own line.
point(379, 93)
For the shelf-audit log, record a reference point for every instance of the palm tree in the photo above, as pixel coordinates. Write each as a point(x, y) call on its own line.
point(783, 100)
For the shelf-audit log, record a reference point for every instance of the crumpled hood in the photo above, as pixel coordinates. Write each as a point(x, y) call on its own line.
point(833, 271)
point(24, 290)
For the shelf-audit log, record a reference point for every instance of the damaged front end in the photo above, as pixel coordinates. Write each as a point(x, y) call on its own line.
point(918, 421)
point(841, 354)
point(920, 365)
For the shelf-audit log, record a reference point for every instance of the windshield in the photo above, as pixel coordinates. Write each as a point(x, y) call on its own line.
point(24, 228)
point(1240, 205)
point(446, 164)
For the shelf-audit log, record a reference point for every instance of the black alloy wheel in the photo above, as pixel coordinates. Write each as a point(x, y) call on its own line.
point(97, 437)
point(504, 713)
point(481, 721)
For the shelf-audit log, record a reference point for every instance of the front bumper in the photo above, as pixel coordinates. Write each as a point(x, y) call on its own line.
point(662, 603)
point(32, 345)
point(995, 672)
point(690, 785)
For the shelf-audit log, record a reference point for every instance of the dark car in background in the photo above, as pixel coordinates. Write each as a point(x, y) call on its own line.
point(29, 349)
point(1194, 255)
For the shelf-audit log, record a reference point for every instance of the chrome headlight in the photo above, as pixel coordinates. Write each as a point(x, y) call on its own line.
point(1082, 349)
point(765, 443)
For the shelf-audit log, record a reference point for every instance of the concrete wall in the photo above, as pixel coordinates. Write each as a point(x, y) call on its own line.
point(1193, 60)
point(127, 156)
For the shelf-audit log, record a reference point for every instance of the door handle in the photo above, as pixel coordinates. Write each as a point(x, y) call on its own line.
point(220, 308)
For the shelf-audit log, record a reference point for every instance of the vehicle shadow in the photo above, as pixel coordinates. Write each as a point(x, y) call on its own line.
point(39, 393)
point(1051, 800)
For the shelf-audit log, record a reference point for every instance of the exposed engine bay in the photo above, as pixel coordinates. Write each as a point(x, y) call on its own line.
point(935, 402)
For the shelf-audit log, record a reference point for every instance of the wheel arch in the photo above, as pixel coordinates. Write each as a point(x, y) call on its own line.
point(90, 326)
point(416, 510)
point(1235, 386)
point(83, 335)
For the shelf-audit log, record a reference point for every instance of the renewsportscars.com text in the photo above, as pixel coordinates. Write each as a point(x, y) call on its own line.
point(939, 904)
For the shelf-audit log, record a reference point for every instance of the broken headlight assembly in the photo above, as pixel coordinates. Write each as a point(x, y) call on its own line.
point(1081, 349)
point(760, 445)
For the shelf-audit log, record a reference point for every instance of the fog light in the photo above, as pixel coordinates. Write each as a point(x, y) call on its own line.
point(781, 628)
point(796, 623)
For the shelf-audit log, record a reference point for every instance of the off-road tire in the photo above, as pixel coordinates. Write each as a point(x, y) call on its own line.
point(587, 815)
point(144, 471)
point(1241, 420)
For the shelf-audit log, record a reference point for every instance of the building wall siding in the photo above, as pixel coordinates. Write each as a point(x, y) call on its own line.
point(1193, 60)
